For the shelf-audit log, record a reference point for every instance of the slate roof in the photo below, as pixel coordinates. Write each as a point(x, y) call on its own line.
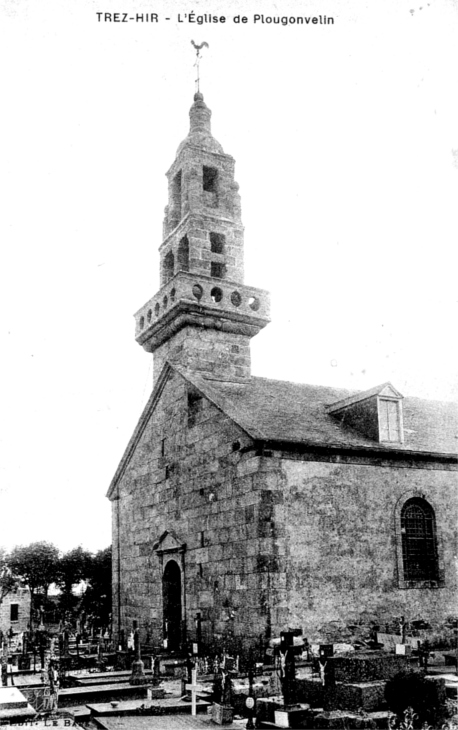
point(281, 411)
point(278, 410)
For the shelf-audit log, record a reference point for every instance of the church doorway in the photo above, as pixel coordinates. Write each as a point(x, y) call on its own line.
point(171, 601)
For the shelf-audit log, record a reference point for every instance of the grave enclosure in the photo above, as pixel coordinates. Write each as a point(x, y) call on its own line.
point(302, 686)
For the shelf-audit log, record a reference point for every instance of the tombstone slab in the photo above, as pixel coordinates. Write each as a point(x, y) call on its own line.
point(341, 719)
point(292, 717)
point(266, 707)
point(11, 698)
point(311, 690)
point(367, 667)
point(367, 696)
point(14, 706)
point(222, 714)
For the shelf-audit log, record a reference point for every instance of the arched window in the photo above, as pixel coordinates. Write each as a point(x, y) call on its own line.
point(168, 267)
point(419, 541)
point(183, 255)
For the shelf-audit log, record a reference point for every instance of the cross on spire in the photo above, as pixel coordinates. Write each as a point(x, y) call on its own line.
point(198, 57)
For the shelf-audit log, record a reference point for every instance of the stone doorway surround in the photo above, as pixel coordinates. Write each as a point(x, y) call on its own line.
point(171, 554)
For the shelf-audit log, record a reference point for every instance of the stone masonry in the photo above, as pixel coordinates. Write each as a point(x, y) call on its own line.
point(257, 505)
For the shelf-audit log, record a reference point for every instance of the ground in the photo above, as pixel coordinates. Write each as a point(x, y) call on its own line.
point(164, 722)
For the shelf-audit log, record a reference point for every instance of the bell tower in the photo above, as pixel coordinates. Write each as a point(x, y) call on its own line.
point(204, 315)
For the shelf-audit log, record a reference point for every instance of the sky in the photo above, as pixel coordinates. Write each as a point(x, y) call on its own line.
point(345, 138)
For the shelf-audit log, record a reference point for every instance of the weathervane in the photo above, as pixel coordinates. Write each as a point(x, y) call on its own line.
point(198, 50)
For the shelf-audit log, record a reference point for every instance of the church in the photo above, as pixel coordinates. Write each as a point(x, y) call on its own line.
point(244, 506)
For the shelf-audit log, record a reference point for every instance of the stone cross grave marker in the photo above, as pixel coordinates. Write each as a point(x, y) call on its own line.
point(195, 688)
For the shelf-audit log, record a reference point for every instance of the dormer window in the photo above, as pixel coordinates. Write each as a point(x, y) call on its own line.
point(390, 423)
point(375, 413)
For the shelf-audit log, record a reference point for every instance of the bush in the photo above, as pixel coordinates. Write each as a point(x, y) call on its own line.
point(411, 689)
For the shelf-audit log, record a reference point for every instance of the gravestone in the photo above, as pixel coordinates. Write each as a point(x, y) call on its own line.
point(366, 667)
point(391, 641)
point(138, 676)
point(290, 714)
point(14, 707)
point(5, 665)
point(187, 669)
point(194, 688)
point(359, 681)
point(222, 711)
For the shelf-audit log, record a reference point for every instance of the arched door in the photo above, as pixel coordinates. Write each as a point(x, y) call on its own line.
point(171, 601)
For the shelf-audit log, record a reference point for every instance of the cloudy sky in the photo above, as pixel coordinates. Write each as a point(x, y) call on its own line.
point(346, 145)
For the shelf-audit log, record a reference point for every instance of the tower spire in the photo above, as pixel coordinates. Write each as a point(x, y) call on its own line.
point(197, 62)
point(204, 315)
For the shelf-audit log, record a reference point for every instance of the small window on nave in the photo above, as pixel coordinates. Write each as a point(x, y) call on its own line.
point(195, 403)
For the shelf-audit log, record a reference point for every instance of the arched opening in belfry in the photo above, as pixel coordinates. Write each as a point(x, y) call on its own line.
point(217, 270)
point(217, 241)
point(176, 195)
point(168, 267)
point(171, 601)
point(183, 255)
point(210, 179)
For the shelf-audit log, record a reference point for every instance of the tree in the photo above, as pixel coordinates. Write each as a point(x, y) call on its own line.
point(74, 567)
point(36, 565)
point(97, 598)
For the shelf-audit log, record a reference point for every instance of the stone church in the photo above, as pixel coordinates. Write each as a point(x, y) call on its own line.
point(242, 505)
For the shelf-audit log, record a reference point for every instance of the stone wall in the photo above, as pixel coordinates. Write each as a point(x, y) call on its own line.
point(196, 475)
point(344, 546)
point(269, 540)
point(217, 354)
point(198, 228)
point(21, 598)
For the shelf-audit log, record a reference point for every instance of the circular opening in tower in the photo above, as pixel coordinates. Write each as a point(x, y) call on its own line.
point(197, 291)
point(216, 294)
point(236, 299)
point(254, 303)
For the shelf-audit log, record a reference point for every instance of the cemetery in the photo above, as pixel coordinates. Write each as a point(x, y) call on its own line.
point(280, 529)
point(266, 534)
point(85, 681)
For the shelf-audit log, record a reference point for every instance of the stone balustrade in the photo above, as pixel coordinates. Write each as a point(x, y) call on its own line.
point(217, 294)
